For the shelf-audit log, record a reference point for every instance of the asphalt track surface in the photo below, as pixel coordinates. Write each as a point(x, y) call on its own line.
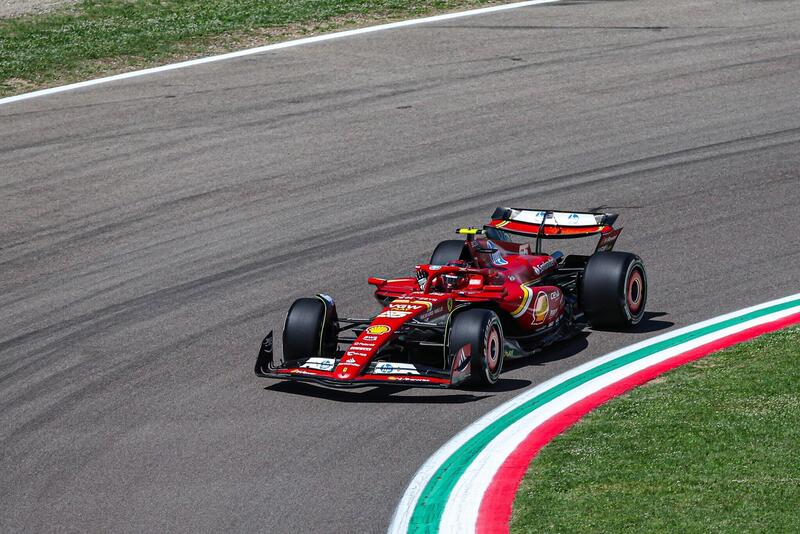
point(153, 230)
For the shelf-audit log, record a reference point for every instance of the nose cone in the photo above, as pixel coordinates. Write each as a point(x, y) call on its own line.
point(384, 328)
point(348, 371)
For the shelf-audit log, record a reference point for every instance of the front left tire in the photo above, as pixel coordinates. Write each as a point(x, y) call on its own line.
point(310, 329)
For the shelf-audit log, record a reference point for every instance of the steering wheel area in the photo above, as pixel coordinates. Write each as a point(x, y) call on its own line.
point(448, 278)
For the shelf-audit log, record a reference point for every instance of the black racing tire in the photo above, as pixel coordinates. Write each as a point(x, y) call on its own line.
point(307, 330)
point(447, 251)
point(614, 290)
point(482, 330)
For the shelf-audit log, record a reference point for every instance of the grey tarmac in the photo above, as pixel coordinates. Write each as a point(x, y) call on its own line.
point(16, 8)
point(153, 230)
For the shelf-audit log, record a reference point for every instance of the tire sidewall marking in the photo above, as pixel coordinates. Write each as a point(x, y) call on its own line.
point(637, 267)
point(493, 331)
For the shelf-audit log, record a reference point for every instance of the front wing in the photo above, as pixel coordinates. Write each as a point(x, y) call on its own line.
point(298, 371)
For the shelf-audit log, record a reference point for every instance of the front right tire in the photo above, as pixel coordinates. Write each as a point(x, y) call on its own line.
point(482, 331)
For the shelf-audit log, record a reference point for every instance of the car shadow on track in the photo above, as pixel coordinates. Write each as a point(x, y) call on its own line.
point(389, 395)
point(558, 351)
point(571, 347)
point(648, 324)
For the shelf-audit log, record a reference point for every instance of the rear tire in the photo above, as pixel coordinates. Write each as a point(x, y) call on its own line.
point(448, 251)
point(482, 331)
point(309, 330)
point(614, 290)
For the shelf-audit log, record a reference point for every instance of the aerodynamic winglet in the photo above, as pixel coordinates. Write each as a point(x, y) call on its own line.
point(264, 363)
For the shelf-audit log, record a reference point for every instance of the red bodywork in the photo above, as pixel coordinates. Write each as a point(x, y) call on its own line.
point(504, 276)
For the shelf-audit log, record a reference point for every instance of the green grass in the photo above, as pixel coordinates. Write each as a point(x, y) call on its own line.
point(96, 37)
point(713, 446)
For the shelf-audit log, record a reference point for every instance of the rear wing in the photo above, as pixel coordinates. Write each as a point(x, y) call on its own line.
point(551, 224)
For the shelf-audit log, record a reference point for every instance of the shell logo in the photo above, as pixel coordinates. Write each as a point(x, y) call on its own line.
point(379, 329)
point(541, 308)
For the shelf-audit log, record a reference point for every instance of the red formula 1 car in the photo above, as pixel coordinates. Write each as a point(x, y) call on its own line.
point(480, 300)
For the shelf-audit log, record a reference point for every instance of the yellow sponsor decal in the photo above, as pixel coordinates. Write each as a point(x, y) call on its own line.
point(379, 329)
point(527, 296)
point(541, 308)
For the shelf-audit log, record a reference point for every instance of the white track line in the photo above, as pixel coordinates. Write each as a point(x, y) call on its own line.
point(461, 512)
point(408, 502)
point(269, 48)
